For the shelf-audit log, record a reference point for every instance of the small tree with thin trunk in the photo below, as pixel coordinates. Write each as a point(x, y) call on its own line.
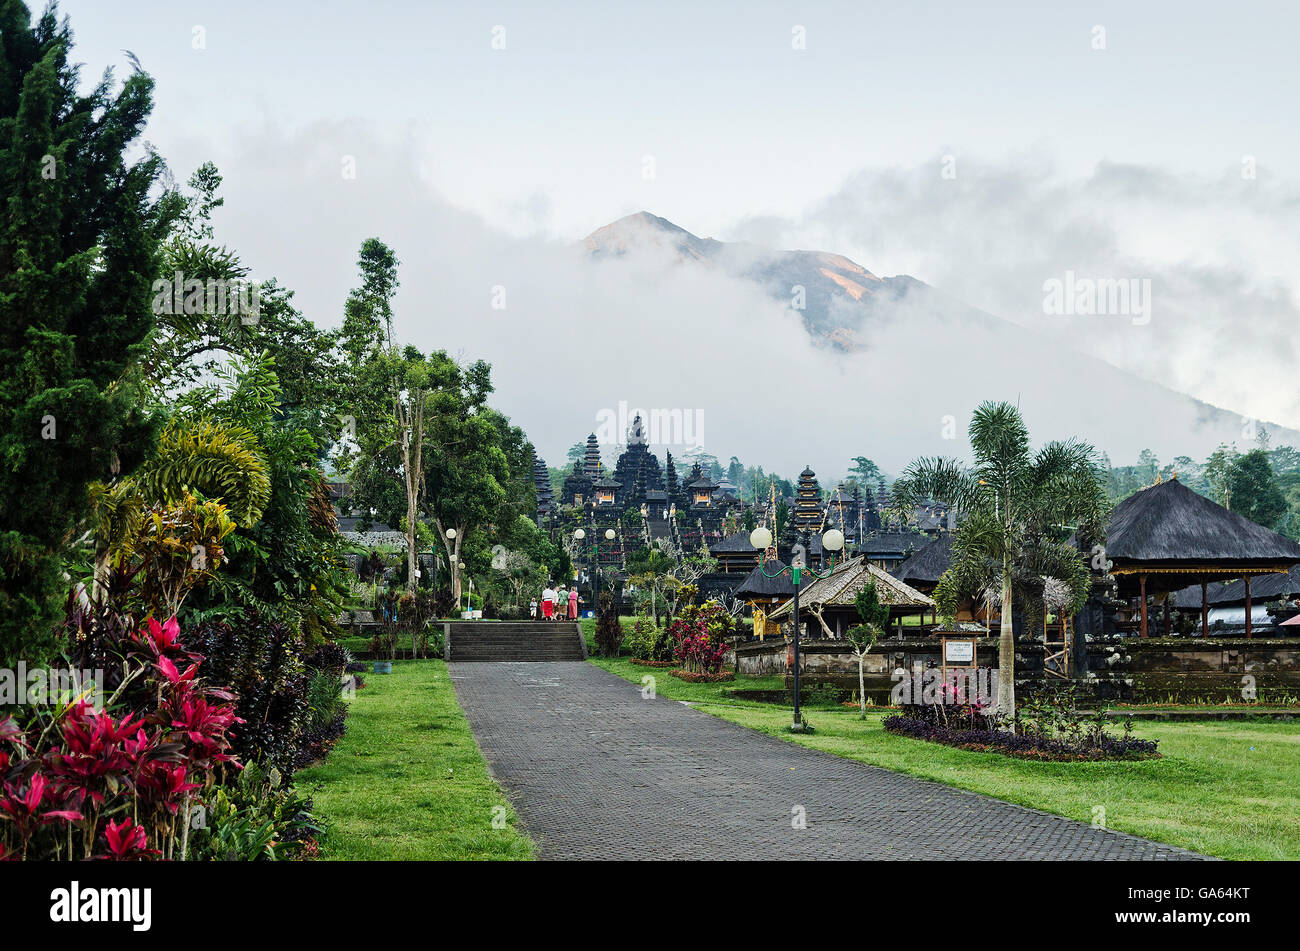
point(862, 637)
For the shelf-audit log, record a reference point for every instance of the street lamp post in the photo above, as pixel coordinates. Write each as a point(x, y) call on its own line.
point(451, 567)
point(578, 536)
point(832, 541)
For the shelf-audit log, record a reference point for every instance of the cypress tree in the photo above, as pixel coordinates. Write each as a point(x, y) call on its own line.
point(79, 250)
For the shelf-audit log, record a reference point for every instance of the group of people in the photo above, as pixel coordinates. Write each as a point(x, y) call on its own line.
point(556, 603)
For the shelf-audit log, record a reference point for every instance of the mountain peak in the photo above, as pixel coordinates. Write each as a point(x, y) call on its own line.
point(831, 294)
point(645, 230)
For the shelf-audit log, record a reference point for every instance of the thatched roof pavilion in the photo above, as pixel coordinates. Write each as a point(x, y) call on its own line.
point(888, 550)
point(1165, 536)
point(834, 597)
point(735, 553)
point(924, 569)
point(758, 586)
point(1271, 587)
point(764, 592)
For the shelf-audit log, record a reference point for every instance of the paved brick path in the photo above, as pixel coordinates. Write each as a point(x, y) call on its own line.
point(596, 772)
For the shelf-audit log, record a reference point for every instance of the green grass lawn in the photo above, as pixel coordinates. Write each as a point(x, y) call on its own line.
point(407, 780)
point(1229, 789)
point(589, 629)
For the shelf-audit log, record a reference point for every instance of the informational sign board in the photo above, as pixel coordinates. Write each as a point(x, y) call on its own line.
point(959, 652)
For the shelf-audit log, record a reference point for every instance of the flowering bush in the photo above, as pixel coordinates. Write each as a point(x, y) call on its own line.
point(79, 782)
point(698, 677)
point(699, 637)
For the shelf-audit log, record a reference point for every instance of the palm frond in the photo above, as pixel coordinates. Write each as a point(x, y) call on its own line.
point(221, 461)
point(999, 438)
point(939, 479)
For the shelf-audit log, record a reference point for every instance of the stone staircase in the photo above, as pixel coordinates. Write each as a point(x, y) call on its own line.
point(513, 641)
point(659, 528)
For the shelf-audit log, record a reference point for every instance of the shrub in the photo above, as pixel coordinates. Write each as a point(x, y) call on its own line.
point(649, 643)
point(697, 677)
point(118, 783)
point(261, 661)
point(1051, 727)
point(699, 636)
point(1025, 745)
point(324, 699)
point(257, 817)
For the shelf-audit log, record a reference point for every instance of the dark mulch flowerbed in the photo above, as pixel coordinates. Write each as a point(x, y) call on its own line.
point(694, 677)
point(1022, 745)
point(313, 745)
point(651, 663)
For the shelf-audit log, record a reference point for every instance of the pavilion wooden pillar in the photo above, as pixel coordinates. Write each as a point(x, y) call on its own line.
point(1248, 632)
point(1142, 587)
point(1167, 622)
point(1205, 611)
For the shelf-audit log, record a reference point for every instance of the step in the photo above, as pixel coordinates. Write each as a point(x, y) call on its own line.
point(514, 641)
point(511, 655)
point(460, 655)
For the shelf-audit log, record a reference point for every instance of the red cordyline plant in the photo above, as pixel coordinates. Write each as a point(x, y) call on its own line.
point(80, 782)
point(698, 647)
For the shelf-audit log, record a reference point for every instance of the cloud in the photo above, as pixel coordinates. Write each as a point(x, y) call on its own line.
point(576, 336)
point(1219, 253)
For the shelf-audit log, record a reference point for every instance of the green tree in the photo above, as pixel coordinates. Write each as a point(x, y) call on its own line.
point(865, 471)
point(1017, 507)
point(285, 558)
point(735, 472)
point(1148, 466)
point(1217, 473)
point(198, 296)
point(476, 465)
point(306, 360)
point(1253, 488)
point(862, 637)
point(79, 247)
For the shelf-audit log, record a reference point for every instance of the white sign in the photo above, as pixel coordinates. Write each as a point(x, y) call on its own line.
point(959, 652)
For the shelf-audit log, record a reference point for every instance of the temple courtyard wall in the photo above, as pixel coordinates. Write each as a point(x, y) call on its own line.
point(1155, 670)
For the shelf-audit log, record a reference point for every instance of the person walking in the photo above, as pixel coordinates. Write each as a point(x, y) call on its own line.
point(548, 602)
point(573, 603)
point(532, 609)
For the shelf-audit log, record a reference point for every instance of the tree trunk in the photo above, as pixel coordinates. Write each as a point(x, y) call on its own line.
point(1007, 655)
point(862, 688)
point(410, 545)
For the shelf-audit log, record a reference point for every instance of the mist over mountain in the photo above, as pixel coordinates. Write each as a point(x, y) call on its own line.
point(655, 317)
point(884, 325)
point(835, 298)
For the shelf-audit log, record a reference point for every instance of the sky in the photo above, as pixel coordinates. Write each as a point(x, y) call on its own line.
point(982, 148)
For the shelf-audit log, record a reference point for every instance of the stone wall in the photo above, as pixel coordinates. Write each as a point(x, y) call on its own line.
point(1157, 670)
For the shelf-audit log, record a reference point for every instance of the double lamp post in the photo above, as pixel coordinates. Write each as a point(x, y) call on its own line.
point(832, 541)
point(578, 536)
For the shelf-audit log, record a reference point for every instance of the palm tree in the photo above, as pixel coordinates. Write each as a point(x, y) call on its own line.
point(1018, 511)
point(220, 460)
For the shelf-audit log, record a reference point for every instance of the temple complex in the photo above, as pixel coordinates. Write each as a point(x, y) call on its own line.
point(637, 470)
point(577, 489)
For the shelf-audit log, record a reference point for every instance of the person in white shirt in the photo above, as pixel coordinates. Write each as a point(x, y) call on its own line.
point(548, 602)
